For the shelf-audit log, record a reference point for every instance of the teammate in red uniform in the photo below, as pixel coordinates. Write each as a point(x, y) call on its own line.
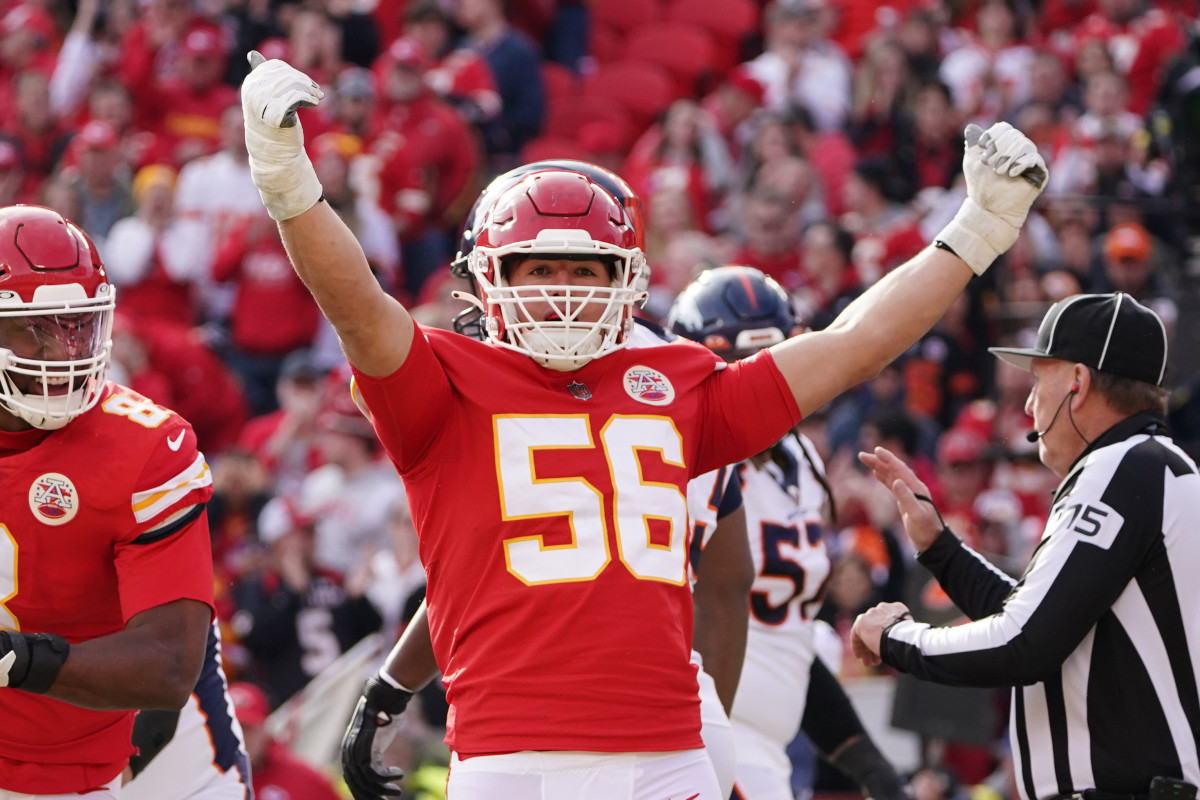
point(105, 569)
point(721, 594)
point(546, 468)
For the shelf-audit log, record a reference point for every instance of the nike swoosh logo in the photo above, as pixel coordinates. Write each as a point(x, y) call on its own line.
point(175, 442)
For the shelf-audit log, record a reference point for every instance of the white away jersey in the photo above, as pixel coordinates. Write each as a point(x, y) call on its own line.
point(783, 501)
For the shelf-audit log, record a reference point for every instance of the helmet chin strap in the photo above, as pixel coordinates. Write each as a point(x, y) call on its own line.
point(467, 297)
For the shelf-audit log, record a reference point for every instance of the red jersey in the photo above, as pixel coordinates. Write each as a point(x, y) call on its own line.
point(552, 516)
point(273, 312)
point(76, 505)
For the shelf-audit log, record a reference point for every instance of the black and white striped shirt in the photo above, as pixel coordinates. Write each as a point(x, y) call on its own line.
point(1100, 637)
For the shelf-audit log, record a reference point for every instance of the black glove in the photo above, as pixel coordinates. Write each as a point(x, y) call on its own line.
point(380, 704)
point(152, 731)
point(31, 661)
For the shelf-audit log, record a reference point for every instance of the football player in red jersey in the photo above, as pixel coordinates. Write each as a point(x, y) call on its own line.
point(721, 594)
point(105, 569)
point(546, 468)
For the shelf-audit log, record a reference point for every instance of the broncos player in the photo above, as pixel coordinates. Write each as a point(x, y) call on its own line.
point(736, 311)
point(197, 752)
point(106, 595)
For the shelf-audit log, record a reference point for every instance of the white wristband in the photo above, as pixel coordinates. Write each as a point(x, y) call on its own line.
point(390, 681)
point(977, 236)
point(288, 193)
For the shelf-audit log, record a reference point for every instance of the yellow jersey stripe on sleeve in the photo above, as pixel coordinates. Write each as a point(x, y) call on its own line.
point(152, 502)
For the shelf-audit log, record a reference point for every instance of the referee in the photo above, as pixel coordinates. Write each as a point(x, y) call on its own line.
point(1100, 637)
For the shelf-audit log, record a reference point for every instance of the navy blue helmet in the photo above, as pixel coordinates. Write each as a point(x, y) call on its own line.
point(734, 311)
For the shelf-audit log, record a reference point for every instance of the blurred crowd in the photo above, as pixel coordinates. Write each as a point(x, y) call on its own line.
point(818, 140)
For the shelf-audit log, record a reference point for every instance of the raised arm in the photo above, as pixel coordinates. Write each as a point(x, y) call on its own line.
point(894, 313)
point(376, 332)
point(873, 330)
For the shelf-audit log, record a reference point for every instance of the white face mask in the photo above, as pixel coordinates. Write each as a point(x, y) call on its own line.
point(566, 342)
point(59, 352)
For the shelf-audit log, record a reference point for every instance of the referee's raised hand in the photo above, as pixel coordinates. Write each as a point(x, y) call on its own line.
point(921, 520)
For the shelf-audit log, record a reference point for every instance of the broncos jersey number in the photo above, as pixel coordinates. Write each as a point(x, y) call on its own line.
point(784, 576)
point(526, 496)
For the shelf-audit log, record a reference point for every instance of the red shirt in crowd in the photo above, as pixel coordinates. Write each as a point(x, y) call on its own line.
point(1140, 49)
point(647, 169)
point(784, 267)
point(428, 138)
point(282, 776)
point(41, 150)
point(159, 296)
point(183, 373)
point(877, 252)
point(273, 313)
point(463, 75)
point(190, 117)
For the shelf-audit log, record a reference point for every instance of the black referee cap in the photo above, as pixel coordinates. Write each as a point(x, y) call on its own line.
point(1109, 332)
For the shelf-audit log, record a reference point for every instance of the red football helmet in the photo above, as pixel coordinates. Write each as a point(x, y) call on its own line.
point(558, 215)
point(56, 311)
point(468, 322)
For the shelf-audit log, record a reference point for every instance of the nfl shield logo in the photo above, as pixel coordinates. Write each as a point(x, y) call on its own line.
point(579, 391)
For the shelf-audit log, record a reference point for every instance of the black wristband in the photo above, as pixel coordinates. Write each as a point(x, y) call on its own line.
point(887, 630)
point(940, 245)
point(39, 657)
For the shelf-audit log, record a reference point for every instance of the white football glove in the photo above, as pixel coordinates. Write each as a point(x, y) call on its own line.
point(1005, 174)
point(279, 166)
